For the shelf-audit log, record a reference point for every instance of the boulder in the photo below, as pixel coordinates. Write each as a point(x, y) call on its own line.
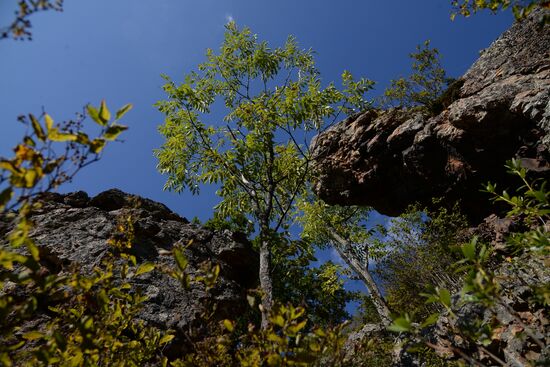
point(498, 110)
point(74, 229)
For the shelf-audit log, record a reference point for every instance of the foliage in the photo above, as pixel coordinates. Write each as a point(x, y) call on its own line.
point(287, 341)
point(272, 100)
point(20, 27)
point(421, 249)
point(91, 317)
point(424, 86)
point(520, 8)
point(51, 154)
point(320, 290)
point(485, 286)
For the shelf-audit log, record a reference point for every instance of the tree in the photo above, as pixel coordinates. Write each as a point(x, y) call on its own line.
point(344, 229)
point(257, 153)
point(423, 87)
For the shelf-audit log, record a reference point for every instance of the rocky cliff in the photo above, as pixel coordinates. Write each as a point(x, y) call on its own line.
point(498, 110)
point(73, 230)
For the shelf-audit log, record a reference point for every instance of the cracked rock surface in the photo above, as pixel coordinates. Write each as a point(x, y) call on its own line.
point(73, 230)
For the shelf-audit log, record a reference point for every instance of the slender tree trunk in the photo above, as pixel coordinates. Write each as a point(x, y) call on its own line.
point(266, 282)
point(361, 270)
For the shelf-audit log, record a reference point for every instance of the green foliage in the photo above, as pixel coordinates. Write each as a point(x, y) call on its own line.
point(20, 27)
point(420, 251)
point(372, 352)
point(319, 221)
point(95, 321)
point(271, 99)
point(520, 8)
point(92, 318)
point(320, 290)
point(49, 155)
point(485, 284)
point(253, 151)
point(287, 341)
point(424, 86)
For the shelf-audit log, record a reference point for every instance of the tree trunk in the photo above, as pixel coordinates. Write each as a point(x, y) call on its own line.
point(377, 298)
point(266, 282)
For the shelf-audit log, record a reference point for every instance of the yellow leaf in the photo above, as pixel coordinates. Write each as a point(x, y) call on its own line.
point(37, 128)
point(33, 249)
point(55, 135)
point(145, 268)
point(228, 324)
point(104, 113)
point(24, 153)
point(123, 110)
point(294, 329)
point(33, 335)
point(9, 165)
point(31, 177)
point(94, 114)
point(5, 197)
point(49, 122)
point(166, 339)
point(273, 359)
point(114, 131)
point(278, 320)
point(97, 145)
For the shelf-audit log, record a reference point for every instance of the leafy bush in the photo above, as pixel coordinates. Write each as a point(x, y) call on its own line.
point(89, 319)
point(488, 288)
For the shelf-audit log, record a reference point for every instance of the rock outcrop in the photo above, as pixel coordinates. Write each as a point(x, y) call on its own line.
point(73, 229)
point(498, 110)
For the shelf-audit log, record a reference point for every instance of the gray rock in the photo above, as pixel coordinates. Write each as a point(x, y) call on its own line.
point(73, 230)
point(391, 159)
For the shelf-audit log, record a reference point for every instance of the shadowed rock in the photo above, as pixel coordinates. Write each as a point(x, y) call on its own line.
point(73, 230)
point(390, 159)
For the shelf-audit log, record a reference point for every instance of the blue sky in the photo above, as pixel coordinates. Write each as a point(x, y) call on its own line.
point(117, 50)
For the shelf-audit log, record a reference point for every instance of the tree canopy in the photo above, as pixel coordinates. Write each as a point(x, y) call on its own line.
point(257, 152)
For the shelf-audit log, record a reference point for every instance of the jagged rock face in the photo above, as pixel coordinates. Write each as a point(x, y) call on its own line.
point(73, 230)
point(394, 158)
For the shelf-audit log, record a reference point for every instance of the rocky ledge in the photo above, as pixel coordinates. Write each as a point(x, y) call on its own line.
point(73, 230)
point(498, 110)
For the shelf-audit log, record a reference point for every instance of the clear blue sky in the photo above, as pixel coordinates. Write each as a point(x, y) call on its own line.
point(117, 50)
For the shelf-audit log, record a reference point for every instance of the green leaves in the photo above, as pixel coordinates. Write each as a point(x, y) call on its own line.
point(520, 9)
point(424, 86)
point(123, 110)
point(469, 249)
point(229, 325)
point(97, 319)
point(114, 131)
point(181, 259)
point(401, 324)
point(57, 136)
point(145, 268)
